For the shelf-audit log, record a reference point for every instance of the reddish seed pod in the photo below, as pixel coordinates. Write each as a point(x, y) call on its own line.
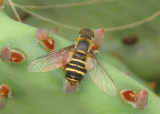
point(98, 38)
point(136, 99)
point(5, 92)
point(11, 55)
point(129, 97)
point(48, 43)
point(17, 57)
point(41, 34)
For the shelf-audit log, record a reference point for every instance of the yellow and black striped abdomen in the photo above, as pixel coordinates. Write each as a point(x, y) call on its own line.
point(75, 69)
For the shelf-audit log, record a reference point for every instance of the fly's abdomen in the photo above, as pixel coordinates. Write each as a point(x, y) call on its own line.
point(75, 69)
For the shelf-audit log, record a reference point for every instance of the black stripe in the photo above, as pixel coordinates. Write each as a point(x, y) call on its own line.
point(86, 36)
point(74, 75)
point(79, 58)
point(76, 68)
point(77, 63)
point(80, 54)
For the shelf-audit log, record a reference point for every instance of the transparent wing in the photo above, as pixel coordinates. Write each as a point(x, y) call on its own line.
point(52, 60)
point(100, 75)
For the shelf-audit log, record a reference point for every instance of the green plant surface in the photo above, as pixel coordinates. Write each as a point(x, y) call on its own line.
point(142, 57)
point(42, 92)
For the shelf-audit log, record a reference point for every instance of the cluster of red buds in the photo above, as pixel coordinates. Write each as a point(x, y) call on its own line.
point(136, 99)
point(42, 35)
point(5, 93)
point(11, 55)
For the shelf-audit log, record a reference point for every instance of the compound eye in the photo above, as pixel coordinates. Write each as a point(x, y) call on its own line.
point(87, 31)
point(91, 33)
point(83, 31)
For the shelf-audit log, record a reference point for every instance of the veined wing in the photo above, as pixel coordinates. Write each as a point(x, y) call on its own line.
point(52, 60)
point(100, 75)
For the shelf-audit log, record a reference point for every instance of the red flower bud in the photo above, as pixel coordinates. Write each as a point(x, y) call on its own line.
point(48, 43)
point(11, 55)
point(5, 92)
point(136, 99)
point(42, 36)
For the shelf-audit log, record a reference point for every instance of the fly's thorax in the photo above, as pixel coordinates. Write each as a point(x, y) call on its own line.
point(83, 43)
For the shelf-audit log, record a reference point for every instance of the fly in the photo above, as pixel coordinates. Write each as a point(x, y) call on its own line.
point(79, 58)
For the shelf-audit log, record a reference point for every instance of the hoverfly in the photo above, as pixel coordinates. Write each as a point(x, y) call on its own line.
point(78, 59)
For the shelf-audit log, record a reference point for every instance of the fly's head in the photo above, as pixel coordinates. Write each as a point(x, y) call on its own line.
point(87, 32)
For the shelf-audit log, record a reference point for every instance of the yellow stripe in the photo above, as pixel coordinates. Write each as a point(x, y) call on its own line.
point(73, 70)
point(84, 38)
point(77, 66)
point(81, 51)
point(78, 60)
point(72, 79)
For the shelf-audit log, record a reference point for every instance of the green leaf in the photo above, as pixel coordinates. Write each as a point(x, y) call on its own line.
point(42, 92)
point(142, 57)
